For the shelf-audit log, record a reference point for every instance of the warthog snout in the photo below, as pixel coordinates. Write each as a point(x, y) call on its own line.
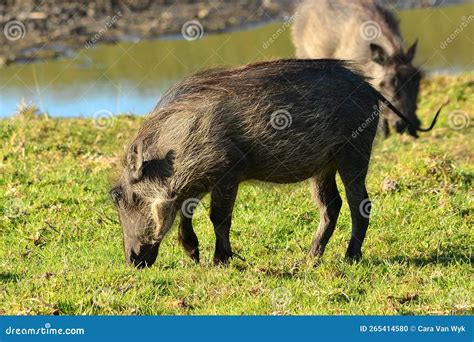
point(400, 126)
point(144, 256)
point(145, 210)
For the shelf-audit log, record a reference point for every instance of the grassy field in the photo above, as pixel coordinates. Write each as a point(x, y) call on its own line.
point(61, 243)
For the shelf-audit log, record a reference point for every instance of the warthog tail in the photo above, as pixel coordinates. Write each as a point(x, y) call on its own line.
point(394, 109)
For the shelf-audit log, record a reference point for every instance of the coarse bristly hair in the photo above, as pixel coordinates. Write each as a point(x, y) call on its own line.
point(220, 121)
point(277, 121)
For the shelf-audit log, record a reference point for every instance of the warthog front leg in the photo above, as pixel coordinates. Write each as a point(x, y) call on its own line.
point(187, 237)
point(222, 204)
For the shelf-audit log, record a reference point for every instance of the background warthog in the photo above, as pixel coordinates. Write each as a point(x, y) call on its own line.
point(282, 121)
point(368, 33)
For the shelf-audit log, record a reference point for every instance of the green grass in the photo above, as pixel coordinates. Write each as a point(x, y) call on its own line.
point(61, 244)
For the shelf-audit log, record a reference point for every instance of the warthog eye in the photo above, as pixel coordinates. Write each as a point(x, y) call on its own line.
point(394, 82)
point(135, 198)
point(116, 194)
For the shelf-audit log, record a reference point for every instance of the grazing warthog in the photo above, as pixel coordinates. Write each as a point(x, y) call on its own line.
point(281, 121)
point(368, 33)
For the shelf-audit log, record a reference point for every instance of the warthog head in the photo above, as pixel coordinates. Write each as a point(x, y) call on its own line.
point(146, 208)
point(399, 81)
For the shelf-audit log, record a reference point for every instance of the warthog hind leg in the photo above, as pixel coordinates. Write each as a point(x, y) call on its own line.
point(329, 202)
point(222, 204)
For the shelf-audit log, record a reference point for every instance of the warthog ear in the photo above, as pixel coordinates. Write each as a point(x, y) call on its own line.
point(159, 168)
point(411, 52)
point(139, 167)
point(135, 162)
point(378, 54)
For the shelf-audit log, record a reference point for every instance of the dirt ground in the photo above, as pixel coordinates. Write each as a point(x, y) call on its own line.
point(33, 30)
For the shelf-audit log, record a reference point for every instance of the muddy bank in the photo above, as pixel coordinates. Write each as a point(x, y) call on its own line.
point(57, 28)
point(52, 29)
